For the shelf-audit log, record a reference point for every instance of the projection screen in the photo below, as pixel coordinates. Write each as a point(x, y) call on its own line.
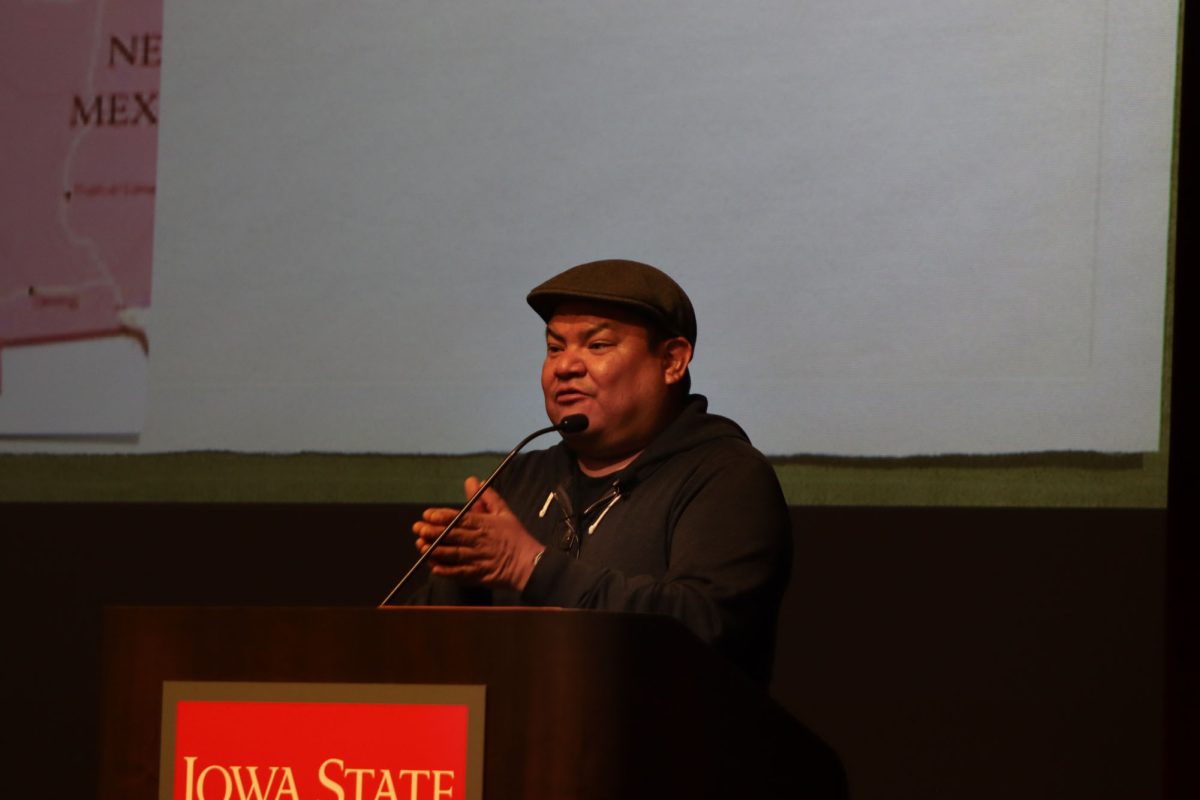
point(907, 228)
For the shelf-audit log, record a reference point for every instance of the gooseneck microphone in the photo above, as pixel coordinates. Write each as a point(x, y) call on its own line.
point(572, 423)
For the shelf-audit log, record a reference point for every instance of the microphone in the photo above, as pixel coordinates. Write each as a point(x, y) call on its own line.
point(572, 423)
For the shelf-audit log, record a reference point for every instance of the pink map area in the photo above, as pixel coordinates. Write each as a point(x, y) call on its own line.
point(79, 88)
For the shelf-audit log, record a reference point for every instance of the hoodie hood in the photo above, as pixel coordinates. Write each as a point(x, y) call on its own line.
point(693, 427)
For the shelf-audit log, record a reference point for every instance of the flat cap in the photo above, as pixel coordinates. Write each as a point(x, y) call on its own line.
point(633, 284)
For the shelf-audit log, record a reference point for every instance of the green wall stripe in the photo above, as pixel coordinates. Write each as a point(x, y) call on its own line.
point(1040, 480)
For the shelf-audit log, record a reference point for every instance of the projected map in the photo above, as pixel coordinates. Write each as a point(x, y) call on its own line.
point(79, 89)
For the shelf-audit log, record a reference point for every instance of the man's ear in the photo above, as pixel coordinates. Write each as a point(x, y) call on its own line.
point(676, 355)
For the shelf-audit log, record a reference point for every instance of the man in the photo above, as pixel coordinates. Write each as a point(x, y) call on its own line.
point(657, 507)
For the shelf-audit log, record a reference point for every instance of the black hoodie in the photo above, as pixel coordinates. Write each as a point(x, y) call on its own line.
point(695, 528)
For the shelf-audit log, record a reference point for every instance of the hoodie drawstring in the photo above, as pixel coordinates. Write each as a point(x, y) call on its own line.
point(546, 505)
point(592, 528)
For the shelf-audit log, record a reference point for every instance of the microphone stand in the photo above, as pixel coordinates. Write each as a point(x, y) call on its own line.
point(573, 423)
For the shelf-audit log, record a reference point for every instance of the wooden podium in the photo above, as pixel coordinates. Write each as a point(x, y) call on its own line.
point(579, 704)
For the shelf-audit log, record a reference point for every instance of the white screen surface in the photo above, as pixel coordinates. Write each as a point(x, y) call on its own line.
point(906, 228)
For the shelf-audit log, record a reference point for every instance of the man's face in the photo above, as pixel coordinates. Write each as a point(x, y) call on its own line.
point(599, 363)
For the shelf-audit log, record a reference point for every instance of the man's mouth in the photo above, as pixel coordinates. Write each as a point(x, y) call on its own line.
point(568, 396)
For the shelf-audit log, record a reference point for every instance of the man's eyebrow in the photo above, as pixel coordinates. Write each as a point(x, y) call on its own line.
point(587, 334)
point(598, 328)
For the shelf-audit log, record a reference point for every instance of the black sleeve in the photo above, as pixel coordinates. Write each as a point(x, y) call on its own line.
point(729, 562)
point(437, 591)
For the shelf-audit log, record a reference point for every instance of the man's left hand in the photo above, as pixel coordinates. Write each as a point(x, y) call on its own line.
point(490, 546)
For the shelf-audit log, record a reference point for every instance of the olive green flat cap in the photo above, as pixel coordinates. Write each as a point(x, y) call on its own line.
point(638, 286)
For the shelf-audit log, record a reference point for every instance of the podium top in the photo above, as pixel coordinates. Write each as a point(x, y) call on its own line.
point(579, 703)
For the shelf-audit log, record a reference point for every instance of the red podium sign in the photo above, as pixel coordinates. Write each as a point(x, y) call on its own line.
point(289, 741)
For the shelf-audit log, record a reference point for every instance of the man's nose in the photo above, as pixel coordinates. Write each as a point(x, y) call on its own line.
point(569, 364)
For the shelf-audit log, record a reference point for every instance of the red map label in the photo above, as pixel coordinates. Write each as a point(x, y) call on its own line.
point(79, 107)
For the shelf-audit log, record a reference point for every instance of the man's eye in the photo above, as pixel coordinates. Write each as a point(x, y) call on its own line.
point(599, 345)
point(553, 348)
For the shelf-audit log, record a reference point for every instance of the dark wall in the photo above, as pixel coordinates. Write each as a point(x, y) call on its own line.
point(946, 653)
point(981, 654)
